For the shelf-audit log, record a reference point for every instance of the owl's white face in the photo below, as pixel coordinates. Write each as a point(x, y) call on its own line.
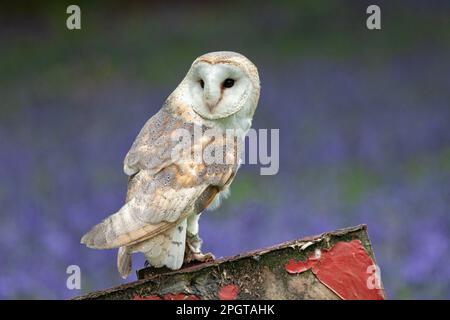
point(218, 90)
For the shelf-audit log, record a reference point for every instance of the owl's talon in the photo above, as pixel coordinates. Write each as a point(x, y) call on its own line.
point(198, 256)
point(204, 257)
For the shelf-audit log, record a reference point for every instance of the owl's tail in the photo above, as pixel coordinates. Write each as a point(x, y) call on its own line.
point(124, 261)
point(126, 227)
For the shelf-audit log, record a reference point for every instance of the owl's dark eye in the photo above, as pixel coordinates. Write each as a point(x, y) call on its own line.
point(228, 83)
point(202, 84)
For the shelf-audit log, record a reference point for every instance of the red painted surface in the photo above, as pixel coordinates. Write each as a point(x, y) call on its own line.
point(169, 296)
point(228, 292)
point(300, 266)
point(344, 269)
point(180, 296)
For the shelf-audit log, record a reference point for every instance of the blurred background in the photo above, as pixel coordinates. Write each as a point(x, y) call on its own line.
point(363, 116)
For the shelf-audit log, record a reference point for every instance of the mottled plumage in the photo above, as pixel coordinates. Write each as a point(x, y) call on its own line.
point(168, 191)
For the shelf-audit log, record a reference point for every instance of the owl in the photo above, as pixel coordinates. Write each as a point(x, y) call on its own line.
point(167, 190)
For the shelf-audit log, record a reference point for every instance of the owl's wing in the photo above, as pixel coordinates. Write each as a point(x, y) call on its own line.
point(152, 147)
point(161, 193)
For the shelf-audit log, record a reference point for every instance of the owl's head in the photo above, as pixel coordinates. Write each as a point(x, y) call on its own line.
point(220, 84)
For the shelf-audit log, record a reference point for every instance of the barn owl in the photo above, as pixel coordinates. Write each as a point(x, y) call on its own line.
point(167, 193)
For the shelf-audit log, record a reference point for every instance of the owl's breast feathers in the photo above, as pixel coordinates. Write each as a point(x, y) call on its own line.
point(165, 188)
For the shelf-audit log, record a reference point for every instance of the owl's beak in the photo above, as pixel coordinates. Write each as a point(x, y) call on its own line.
point(210, 106)
point(211, 97)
